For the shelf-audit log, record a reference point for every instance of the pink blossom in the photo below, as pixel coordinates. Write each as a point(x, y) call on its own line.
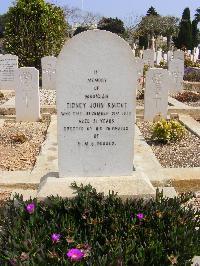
point(30, 208)
point(75, 254)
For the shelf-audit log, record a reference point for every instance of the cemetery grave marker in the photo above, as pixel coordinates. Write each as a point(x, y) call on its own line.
point(27, 100)
point(176, 68)
point(179, 55)
point(8, 64)
point(96, 85)
point(49, 72)
point(148, 57)
point(156, 93)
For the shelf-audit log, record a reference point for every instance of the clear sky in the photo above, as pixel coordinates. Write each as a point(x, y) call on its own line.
point(123, 8)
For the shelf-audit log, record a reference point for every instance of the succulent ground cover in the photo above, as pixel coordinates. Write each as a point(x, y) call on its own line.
point(192, 74)
point(189, 97)
point(91, 229)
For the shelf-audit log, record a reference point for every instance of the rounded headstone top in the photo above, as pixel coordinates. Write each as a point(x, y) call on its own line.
point(97, 40)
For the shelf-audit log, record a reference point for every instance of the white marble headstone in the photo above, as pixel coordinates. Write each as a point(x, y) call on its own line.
point(159, 57)
point(169, 56)
point(179, 55)
point(27, 100)
point(96, 85)
point(8, 65)
point(148, 57)
point(156, 93)
point(49, 72)
point(140, 67)
point(196, 54)
point(176, 68)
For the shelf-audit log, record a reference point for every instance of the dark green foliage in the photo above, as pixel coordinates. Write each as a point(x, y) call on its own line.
point(143, 41)
point(152, 12)
point(114, 25)
point(197, 15)
point(34, 29)
point(184, 39)
point(3, 19)
point(80, 29)
point(111, 227)
point(195, 34)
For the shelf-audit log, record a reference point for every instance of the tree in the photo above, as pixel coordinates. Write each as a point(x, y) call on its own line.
point(34, 29)
point(3, 19)
point(149, 27)
point(169, 28)
point(152, 12)
point(143, 41)
point(195, 34)
point(80, 29)
point(197, 15)
point(185, 31)
point(114, 25)
point(75, 15)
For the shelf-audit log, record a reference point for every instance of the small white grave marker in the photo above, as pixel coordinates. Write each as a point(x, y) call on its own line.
point(148, 57)
point(8, 65)
point(27, 100)
point(179, 55)
point(176, 68)
point(49, 72)
point(156, 93)
point(159, 57)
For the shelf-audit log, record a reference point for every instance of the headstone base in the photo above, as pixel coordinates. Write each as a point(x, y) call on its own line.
point(124, 186)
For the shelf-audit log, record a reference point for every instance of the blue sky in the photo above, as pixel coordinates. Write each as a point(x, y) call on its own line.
point(124, 8)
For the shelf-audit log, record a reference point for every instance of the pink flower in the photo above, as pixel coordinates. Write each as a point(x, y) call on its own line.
point(55, 238)
point(30, 208)
point(75, 254)
point(140, 216)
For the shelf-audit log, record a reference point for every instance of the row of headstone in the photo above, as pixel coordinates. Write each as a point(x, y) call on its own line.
point(9, 63)
point(159, 83)
point(152, 58)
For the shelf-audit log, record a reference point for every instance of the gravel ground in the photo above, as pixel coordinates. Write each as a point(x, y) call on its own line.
point(194, 202)
point(6, 96)
point(193, 104)
point(20, 144)
point(184, 153)
point(140, 102)
point(47, 97)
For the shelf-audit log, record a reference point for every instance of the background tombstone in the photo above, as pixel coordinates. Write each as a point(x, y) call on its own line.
point(96, 75)
point(156, 93)
point(148, 57)
point(179, 55)
point(27, 100)
point(49, 72)
point(165, 57)
point(139, 67)
point(176, 68)
point(169, 56)
point(159, 57)
point(8, 65)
